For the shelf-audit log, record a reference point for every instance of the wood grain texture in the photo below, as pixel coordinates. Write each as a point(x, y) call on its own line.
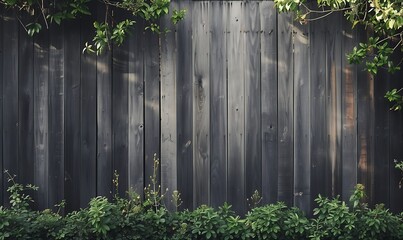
point(184, 107)
point(236, 107)
point(285, 110)
point(72, 115)
point(88, 102)
point(253, 143)
point(169, 144)
point(136, 110)
point(218, 102)
point(349, 113)
point(56, 116)
point(41, 113)
point(10, 98)
point(269, 98)
point(104, 119)
point(201, 105)
point(302, 131)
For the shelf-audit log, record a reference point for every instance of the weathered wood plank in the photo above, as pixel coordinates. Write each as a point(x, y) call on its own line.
point(201, 104)
point(318, 126)
point(236, 107)
point(218, 103)
point(382, 158)
point(41, 114)
point(333, 105)
point(169, 144)
point(25, 107)
point(10, 98)
point(285, 110)
point(269, 95)
point(253, 143)
point(2, 186)
point(184, 106)
point(88, 113)
point(349, 113)
point(56, 116)
point(120, 67)
point(72, 53)
point(152, 104)
point(302, 133)
point(136, 109)
point(104, 119)
point(365, 125)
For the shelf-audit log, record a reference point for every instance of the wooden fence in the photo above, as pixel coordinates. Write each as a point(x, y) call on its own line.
point(235, 98)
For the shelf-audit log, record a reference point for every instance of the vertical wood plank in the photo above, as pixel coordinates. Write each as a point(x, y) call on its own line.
point(72, 73)
point(88, 114)
point(120, 85)
point(382, 158)
point(218, 102)
point(152, 104)
point(169, 145)
point(201, 104)
point(302, 133)
point(253, 144)
point(25, 107)
point(56, 116)
point(136, 109)
point(365, 125)
point(333, 104)
point(349, 113)
point(318, 101)
point(236, 107)
point(41, 114)
point(269, 96)
point(285, 110)
point(184, 106)
point(2, 186)
point(10, 98)
point(104, 119)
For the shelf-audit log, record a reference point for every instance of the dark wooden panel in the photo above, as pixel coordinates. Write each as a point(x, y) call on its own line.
point(10, 98)
point(236, 107)
point(25, 107)
point(184, 106)
point(319, 158)
point(269, 95)
point(218, 102)
point(104, 119)
point(349, 113)
point(365, 125)
point(88, 113)
point(253, 144)
point(201, 104)
point(333, 104)
point(169, 144)
point(382, 158)
point(72, 145)
point(285, 110)
point(56, 116)
point(41, 113)
point(1, 104)
point(136, 109)
point(120, 126)
point(302, 133)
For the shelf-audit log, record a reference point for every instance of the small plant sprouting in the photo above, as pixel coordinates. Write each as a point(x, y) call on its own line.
point(255, 199)
point(18, 199)
point(153, 193)
point(176, 199)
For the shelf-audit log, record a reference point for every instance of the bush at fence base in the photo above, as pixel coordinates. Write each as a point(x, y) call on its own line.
point(131, 219)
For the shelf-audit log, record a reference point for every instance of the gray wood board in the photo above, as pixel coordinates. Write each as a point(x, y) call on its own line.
point(269, 98)
point(236, 107)
point(2, 186)
point(218, 102)
point(201, 104)
point(285, 110)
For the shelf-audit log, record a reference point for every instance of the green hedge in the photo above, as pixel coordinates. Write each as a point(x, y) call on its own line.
point(131, 218)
